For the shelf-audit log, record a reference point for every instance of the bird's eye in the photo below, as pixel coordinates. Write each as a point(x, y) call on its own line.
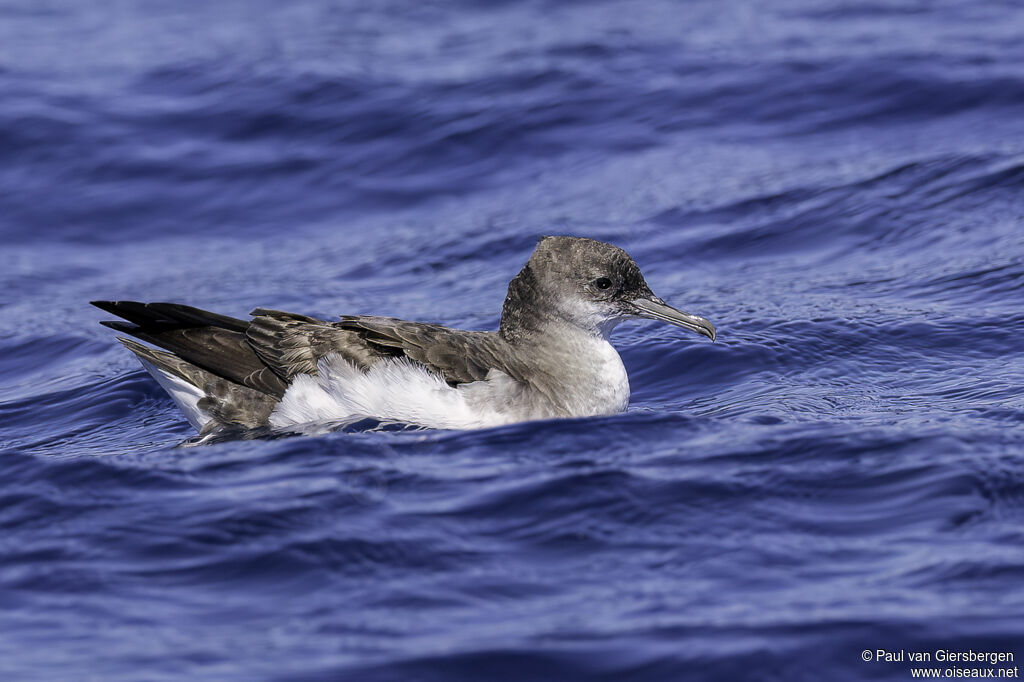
point(603, 283)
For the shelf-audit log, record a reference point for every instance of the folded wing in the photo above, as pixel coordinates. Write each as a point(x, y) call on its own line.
point(263, 355)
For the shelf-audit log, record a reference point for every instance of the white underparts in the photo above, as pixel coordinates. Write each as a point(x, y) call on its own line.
point(390, 390)
point(185, 395)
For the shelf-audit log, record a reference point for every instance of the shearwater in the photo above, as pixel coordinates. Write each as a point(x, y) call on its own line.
point(550, 357)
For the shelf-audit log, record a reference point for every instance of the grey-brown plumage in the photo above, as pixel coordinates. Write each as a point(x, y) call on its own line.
point(227, 401)
point(549, 358)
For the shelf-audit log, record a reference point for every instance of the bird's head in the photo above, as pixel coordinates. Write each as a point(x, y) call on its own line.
point(589, 284)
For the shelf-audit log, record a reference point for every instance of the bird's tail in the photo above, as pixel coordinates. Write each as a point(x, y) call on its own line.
point(207, 367)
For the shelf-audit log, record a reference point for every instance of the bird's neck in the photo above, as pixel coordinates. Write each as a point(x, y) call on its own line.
point(575, 367)
point(524, 312)
point(580, 371)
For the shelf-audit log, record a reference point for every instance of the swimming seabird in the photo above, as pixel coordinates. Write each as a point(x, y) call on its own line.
point(550, 357)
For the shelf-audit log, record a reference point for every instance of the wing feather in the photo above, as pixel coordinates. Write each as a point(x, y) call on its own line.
point(458, 356)
point(268, 351)
point(293, 344)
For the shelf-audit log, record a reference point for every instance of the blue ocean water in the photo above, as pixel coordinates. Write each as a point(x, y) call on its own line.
point(838, 185)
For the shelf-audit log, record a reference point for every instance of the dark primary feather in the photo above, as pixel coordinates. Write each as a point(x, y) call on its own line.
point(169, 314)
point(215, 343)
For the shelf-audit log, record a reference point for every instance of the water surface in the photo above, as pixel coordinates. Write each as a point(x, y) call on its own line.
point(838, 186)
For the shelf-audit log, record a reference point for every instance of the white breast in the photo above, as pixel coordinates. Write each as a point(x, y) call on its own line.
point(595, 380)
